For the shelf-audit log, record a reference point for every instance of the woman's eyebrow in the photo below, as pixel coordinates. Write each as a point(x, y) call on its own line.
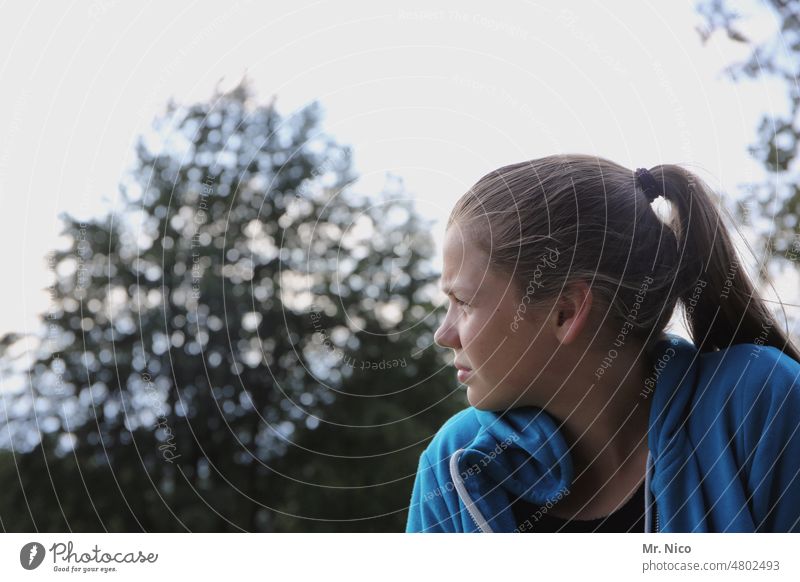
point(451, 290)
point(448, 289)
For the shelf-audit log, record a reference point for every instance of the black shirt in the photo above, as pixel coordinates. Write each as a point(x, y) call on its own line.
point(534, 518)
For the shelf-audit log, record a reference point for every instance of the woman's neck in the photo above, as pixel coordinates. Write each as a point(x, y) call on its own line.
point(606, 431)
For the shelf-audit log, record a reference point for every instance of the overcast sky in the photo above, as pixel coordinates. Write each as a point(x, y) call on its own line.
point(436, 92)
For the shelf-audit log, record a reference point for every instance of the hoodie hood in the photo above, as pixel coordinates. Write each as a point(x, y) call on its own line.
point(517, 453)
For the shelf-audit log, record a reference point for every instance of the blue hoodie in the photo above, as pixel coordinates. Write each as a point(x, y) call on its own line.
point(724, 451)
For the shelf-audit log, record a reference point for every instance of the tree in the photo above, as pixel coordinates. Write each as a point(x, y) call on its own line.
point(246, 346)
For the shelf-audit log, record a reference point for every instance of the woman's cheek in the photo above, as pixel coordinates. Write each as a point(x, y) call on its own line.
point(470, 333)
point(475, 344)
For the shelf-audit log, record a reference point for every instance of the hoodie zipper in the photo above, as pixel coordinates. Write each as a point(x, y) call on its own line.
point(472, 509)
point(650, 503)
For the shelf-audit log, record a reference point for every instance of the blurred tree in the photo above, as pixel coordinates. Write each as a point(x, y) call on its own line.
point(247, 345)
point(776, 200)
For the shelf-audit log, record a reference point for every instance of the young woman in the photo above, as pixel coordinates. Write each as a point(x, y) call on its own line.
point(585, 415)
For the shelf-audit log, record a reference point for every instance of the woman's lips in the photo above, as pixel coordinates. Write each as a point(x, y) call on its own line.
point(463, 374)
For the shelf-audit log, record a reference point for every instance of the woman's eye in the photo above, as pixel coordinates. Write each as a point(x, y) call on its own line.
point(463, 303)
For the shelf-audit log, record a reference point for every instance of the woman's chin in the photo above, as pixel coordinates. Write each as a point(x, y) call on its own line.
point(491, 401)
point(479, 399)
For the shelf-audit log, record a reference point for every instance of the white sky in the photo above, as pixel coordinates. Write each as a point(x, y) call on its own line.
point(436, 92)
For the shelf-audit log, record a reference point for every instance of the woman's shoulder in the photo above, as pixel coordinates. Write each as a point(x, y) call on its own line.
point(754, 380)
point(750, 364)
point(761, 415)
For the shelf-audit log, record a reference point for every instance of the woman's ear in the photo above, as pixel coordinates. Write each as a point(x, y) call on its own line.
point(572, 311)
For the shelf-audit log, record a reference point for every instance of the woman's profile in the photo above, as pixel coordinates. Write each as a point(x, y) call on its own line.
point(585, 414)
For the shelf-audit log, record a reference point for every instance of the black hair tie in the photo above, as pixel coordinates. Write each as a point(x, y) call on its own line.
point(648, 183)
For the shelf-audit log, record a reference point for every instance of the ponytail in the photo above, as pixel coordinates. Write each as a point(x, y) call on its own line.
point(721, 305)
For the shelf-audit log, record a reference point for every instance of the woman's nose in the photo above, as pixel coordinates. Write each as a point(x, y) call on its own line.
point(447, 335)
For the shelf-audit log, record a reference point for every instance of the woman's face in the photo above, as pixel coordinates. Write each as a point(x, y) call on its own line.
point(500, 338)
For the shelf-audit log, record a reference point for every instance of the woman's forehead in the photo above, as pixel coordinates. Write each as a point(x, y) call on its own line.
point(462, 257)
point(467, 268)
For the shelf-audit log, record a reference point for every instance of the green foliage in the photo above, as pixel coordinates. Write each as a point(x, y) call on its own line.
point(248, 345)
point(776, 200)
